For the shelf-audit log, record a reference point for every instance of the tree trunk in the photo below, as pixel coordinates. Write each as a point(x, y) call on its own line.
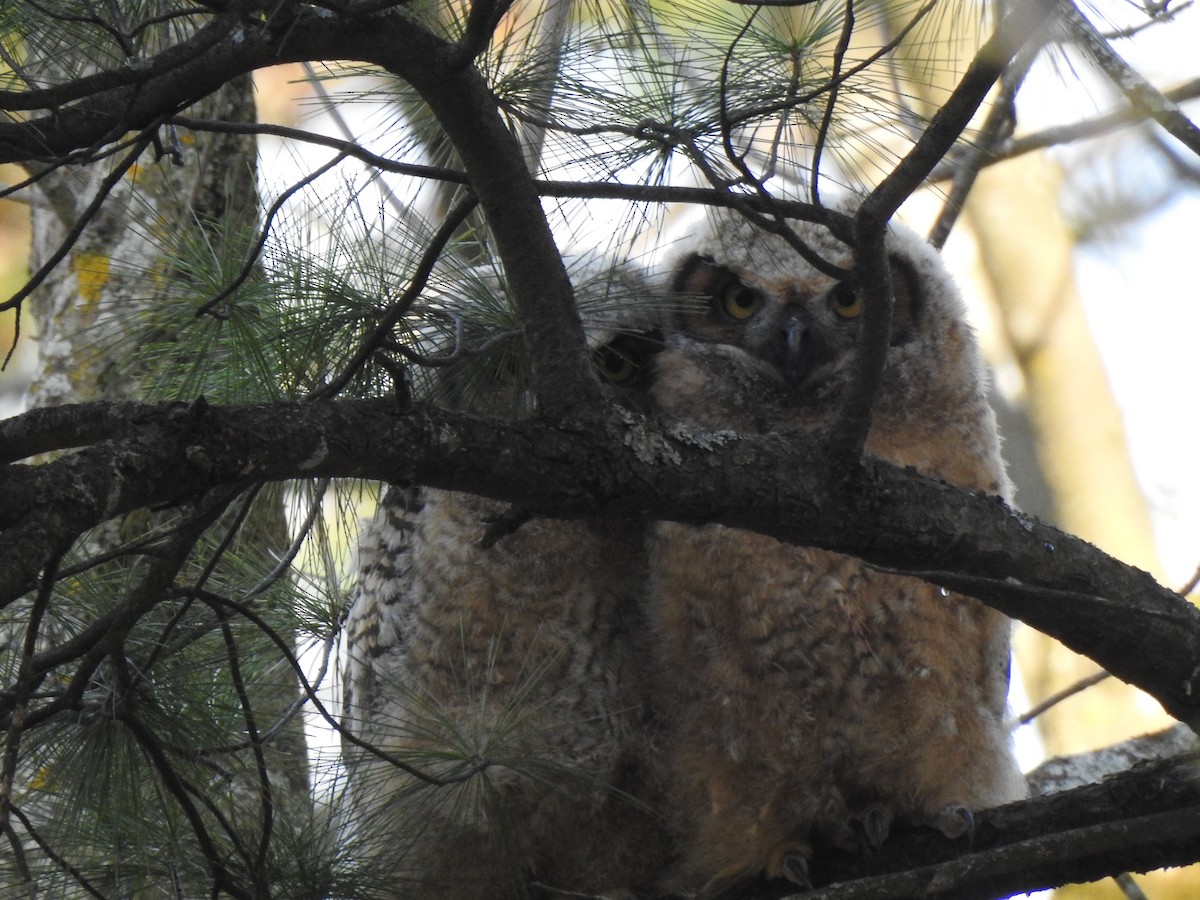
point(91, 314)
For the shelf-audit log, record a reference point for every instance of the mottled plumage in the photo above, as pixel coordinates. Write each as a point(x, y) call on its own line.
point(513, 669)
point(807, 697)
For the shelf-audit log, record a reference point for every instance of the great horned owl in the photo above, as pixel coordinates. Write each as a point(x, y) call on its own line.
point(509, 671)
point(808, 697)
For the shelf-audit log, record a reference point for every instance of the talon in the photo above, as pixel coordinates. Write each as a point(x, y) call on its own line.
point(864, 832)
point(954, 821)
point(876, 821)
point(789, 860)
point(795, 869)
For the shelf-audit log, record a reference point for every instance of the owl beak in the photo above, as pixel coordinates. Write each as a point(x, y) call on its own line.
point(796, 351)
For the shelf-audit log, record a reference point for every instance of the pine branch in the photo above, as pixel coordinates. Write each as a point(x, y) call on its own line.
point(562, 378)
point(107, 84)
point(1117, 615)
point(1142, 95)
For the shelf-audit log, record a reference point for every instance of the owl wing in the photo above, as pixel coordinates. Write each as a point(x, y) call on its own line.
point(374, 634)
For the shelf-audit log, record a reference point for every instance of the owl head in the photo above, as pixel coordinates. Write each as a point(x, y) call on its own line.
point(761, 339)
point(620, 311)
point(741, 287)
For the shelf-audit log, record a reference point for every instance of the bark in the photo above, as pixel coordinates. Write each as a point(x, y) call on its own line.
point(1131, 822)
point(1117, 614)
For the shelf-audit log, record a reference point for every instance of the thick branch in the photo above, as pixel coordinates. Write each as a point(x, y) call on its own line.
point(1143, 819)
point(1117, 615)
point(465, 108)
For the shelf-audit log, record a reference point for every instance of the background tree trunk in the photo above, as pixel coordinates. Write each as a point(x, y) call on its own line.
point(90, 315)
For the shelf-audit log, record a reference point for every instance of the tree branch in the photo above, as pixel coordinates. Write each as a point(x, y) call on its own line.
point(854, 417)
point(562, 378)
point(1142, 819)
point(1141, 94)
point(1067, 772)
point(1116, 614)
point(128, 76)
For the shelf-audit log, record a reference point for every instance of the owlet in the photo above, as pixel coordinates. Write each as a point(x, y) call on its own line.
point(509, 671)
point(807, 697)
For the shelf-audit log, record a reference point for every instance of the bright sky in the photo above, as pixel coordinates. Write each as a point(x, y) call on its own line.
point(1143, 303)
point(1142, 298)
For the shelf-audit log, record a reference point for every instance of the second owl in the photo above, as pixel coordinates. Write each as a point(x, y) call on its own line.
point(807, 697)
point(507, 670)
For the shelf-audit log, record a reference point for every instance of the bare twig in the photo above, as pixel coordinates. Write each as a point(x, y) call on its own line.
point(849, 431)
point(551, 33)
point(350, 144)
point(997, 127)
point(265, 792)
point(299, 536)
point(1058, 697)
point(768, 217)
point(286, 652)
point(110, 181)
point(1142, 95)
point(839, 57)
point(1129, 887)
point(178, 788)
point(830, 84)
point(26, 683)
point(1191, 583)
point(1084, 683)
point(102, 82)
point(346, 147)
point(397, 309)
point(51, 854)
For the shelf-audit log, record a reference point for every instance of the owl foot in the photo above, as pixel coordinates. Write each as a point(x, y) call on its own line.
point(876, 824)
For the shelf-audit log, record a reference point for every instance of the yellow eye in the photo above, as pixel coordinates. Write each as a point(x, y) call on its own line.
point(619, 361)
point(846, 302)
point(738, 301)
